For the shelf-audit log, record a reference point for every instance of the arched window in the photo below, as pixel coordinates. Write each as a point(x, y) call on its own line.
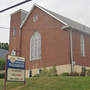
point(35, 46)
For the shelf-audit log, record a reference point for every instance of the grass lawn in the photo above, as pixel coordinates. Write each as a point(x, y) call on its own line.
point(50, 83)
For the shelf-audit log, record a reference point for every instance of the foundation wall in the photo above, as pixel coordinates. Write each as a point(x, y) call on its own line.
point(78, 68)
point(60, 69)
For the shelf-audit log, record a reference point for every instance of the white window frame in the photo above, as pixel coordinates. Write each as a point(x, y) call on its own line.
point(35, 46)
point(82, 44)
point(35, 18)
point(14, 32)
point(13, 52)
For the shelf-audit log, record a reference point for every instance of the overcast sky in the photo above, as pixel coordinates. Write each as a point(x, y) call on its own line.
point(78, 10)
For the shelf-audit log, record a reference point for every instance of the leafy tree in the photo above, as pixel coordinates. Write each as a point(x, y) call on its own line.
point(4, 46)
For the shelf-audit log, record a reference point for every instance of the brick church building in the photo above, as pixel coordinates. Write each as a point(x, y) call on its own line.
point(47, 39)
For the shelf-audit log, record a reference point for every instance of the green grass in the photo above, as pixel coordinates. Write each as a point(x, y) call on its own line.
point(50, 83)
point(3, 58)
point(2, 63)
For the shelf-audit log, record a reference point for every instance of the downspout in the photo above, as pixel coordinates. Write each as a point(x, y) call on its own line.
point(66, 27)
point(20, 35)
point(20, 41)
point(71, 50)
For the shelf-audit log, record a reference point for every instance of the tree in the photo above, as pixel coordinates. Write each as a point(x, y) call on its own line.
point(4, 46)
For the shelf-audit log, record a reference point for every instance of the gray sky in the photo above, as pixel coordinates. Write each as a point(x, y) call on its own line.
point(78, 10)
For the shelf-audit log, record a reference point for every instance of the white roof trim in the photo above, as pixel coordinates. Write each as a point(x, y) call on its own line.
point(65, 27)
point(42, 10)
point(26, 17)
point(50, 14)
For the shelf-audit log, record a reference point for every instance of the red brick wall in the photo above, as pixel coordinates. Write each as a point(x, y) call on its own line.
point(15, 41)
point(55, 42)
point(81, 60)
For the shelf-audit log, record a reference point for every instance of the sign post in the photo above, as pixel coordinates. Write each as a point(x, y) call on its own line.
point(14, 69)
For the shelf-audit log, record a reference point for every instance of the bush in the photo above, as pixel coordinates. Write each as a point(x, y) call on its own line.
point(74, 74)
point(84, 69)
point(37, 75)
point(44, 72)
point(1, 75)
point(65, 74)
point(82, 74)
point(50, 72)
point(88, 72)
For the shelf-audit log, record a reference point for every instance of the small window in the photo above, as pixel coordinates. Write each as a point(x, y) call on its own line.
point(13, 53)
point(35, 18)
point(30, 73)
point(82, 44)
point(14, 32)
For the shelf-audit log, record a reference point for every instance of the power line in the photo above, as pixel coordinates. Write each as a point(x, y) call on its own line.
point(14, 5)
point(4, 28)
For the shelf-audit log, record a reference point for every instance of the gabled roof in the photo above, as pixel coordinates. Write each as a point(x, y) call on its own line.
point(66, 21)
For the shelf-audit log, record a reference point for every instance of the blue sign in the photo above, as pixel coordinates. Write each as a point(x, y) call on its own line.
point(16, 62)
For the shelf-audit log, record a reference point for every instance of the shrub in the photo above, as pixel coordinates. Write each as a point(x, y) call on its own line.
point(44, 72)
point(50, 72)
point(83, 73)
point(74, 74)
point(1, 75)
point(65, 74)
point(88, 72)
point(84, 69)
point(37, 75)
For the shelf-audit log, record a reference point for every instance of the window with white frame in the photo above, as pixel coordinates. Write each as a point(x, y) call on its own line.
point(82, 43)
point(14, 32)
point(35, 18)
point(13, 52)
point(35, 46)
